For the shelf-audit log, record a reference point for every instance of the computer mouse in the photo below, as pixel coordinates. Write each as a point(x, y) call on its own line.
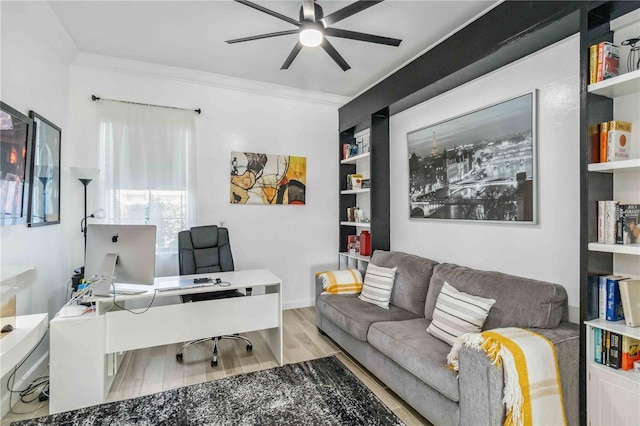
point(7, 328)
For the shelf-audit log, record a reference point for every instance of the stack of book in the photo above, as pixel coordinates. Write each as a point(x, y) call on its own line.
point(604, 59)
point(615, 350)
point(618, 223)
point(614, 298)
point(613, 139)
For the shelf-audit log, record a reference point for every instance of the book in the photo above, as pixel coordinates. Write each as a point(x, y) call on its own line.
point(610, 60)
point(601, 222)
point(630, 219)
point(618, 139)
point(610, 220)
point(597, 345)
point(614, 303)
point(630, 352)
point(599, 62)
point(630, 299)
point(604, 141)
point(615, 350)
point(602, 296)
point(353, 244)
point(619, 225)
point(605, 349)
point(354, 181)
point(593, 296)
point(593, 63)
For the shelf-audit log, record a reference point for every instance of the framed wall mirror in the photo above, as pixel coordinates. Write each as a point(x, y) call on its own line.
point(44, 197)
point(15, 159)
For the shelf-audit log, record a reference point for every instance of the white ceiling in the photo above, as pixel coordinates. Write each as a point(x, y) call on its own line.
point(192, 34)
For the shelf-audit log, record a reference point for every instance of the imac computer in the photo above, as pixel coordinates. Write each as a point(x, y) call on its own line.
point(120, 254)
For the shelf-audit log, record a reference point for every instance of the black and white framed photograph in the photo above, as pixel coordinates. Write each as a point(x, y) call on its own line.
point(44, 197)
point(479, 166)
point(15, 159)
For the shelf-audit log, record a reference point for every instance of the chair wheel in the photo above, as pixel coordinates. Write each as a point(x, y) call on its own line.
point(179, 357)
point(249, 348)
point(214, 363)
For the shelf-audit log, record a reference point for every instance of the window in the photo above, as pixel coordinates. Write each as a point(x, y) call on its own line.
point(147, 168)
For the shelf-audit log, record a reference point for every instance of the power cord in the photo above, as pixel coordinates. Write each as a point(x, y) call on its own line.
point(39, 383)
point(127, 309)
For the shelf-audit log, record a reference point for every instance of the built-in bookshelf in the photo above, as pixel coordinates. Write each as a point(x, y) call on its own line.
point(611, 395)
point(372, 137)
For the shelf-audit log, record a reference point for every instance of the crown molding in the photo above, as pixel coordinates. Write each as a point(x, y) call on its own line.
point(184, 75)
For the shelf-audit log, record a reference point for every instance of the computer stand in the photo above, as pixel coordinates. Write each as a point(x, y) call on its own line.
point(102, 287)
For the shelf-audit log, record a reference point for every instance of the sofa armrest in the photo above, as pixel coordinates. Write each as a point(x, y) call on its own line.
point(481, 384)
point(318, 287)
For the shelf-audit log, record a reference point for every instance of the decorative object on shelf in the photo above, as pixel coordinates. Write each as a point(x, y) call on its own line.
point(44, 198)
point(478, 166)
point(267, 179)
point(633, 60)
point(366, 183)
point(365, 243)
point(362, 140)
point(15, 153)
point(353, 244)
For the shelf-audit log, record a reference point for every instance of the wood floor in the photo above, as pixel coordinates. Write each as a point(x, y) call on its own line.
point(153, 370)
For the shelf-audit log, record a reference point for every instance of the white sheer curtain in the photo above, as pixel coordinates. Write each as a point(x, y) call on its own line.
point(148, 171)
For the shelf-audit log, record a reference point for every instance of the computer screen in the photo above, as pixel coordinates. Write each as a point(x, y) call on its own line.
point(135, 247)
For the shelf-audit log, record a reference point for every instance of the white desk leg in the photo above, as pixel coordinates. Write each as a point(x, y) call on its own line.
point(78, 371)
point(273, 336)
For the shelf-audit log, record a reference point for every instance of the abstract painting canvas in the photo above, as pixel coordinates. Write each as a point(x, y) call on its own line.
point(479, 166)
point(267, 179)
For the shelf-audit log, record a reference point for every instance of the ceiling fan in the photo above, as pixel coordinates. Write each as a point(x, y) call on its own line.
point(314, 27)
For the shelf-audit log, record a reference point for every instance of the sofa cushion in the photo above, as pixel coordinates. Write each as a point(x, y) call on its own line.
point(410, 346)
point(378, 284)
point(412, 278)
point(520, 302)
point(458, 313)
point(355, 316)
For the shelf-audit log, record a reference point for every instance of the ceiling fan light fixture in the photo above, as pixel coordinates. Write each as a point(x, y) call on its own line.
point(311, 37)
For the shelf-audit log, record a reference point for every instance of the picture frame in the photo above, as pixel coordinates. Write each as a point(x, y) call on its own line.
point(15, 160)
point(478, 166)
point(44, 196)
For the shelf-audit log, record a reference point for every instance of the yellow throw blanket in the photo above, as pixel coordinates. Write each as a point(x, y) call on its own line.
point(532, 389)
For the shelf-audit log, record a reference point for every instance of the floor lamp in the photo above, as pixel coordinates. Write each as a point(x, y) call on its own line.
point(85, 176)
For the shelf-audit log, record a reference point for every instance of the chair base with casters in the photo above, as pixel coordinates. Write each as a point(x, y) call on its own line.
point(214, 361)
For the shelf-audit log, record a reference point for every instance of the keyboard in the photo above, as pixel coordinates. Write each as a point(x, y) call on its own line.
point(186, 286)
point(126, 292)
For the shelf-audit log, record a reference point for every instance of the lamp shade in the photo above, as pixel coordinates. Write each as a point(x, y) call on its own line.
point(85, 173)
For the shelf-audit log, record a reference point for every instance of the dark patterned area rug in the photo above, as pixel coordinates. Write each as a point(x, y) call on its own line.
point(317, 392)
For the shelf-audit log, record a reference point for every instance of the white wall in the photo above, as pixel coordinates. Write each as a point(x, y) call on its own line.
point(292, 241)
point(36, 53)
point(547, 251)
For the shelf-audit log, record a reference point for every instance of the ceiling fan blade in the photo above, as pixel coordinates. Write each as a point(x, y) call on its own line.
point(309, 10)
point(347, 11)
point(335, 32)
point(294, 52)
point(258, 37)
point(328, 47)
point(269, 12)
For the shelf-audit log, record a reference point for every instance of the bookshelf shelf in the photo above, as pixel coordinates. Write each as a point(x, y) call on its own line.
point(356, 256)
point(616, 87)
point(616, 326)
point(356, 159)
point(630, 375)
point(355, 191)
point(633, 249)
point(357, 224)
point(615, 166)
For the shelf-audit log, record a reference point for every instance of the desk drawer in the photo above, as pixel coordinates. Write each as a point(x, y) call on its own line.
point(164, 325)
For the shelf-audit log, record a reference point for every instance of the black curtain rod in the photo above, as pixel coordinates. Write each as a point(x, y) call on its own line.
point(96, 98)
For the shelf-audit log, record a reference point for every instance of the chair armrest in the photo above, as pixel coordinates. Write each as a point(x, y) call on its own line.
point(481, 384)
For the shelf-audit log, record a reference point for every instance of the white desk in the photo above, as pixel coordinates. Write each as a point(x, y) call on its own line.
point(83, 353)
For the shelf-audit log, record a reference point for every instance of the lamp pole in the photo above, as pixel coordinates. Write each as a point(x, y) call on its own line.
point(85, 182)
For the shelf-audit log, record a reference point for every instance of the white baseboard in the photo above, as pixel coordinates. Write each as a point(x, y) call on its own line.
point(21, 382)
point(304, 303)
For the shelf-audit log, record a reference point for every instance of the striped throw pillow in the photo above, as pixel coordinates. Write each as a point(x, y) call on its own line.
point(458, 313)
point(346, 281)
point(378, 283)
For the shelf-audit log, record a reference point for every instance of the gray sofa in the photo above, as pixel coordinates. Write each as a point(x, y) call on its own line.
point(395, 346)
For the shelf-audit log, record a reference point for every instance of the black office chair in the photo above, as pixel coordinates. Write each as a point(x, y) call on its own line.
point(201, 250)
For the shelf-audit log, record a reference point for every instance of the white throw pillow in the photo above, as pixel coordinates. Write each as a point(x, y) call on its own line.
point(378, 283)
point(458, 313)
